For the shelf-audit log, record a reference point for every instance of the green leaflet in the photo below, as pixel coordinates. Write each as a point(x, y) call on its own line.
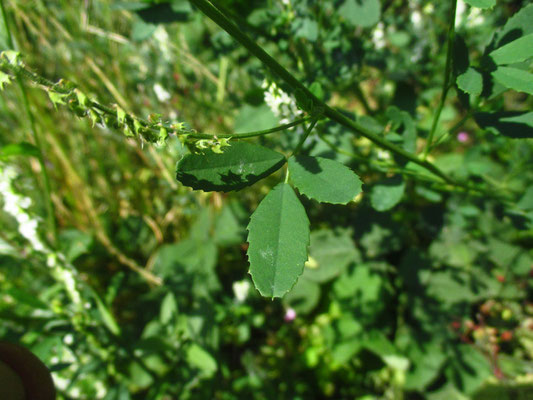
point(514, 78)
point(324, 180)
point(387, 193)
point(516, 51)
point(19, 149)
point(513, 124)
point(470, 82)
point(278, 237)
point(240, 165)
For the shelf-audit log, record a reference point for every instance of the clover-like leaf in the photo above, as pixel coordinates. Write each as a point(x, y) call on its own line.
point(470, 82)
point(240, 165)
point(278, 237)
point(324, 180)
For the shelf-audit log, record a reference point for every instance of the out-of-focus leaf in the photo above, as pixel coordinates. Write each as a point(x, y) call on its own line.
point(201, 359)
point(169, 309)
point(19, 149)
point(304, 296)
point(307, 28)
point(364, 13)
point(387, 193)
point(74, 243)
point(526, 202)
point(516, 51)
point(329, 254)
point(517, 125)
point(252, 118)
point(515, 79)
point(278, 238)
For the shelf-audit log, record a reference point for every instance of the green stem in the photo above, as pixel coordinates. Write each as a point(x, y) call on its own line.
point(447, 75)
point(304, 137)
point(19, 70)
point(36, 137)
point(249, 134)
point(220, 19)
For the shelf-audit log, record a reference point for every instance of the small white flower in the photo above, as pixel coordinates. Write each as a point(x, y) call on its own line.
point(68, 339)
point(241, 289)
point(416, 19)
point(162, 94)
point(378, 36)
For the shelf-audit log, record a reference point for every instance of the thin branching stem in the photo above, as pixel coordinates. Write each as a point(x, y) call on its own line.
point(446, 83)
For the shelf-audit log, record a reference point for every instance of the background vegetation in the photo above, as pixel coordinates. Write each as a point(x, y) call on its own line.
point(137, 287)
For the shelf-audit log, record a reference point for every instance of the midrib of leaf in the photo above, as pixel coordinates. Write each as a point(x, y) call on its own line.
point(279, 241)
point(260, 162)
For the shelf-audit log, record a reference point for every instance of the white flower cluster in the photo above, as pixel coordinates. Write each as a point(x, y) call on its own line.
point(282, 104)
point(378, 36)
point(17, 206)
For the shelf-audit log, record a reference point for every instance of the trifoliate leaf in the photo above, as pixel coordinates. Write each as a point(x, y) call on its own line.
point(324, 180)
point(278, 238)
point(240, 165)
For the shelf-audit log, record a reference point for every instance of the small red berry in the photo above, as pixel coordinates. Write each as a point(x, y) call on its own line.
point(500, 278)
point(506, 336)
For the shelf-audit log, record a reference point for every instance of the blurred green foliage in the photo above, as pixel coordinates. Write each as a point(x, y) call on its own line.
point(414, 291)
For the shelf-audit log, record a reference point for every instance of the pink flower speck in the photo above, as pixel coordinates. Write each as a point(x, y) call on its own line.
point(290, 315)
point(463, 137)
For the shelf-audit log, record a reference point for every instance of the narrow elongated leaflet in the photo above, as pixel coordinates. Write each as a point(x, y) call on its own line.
point(514, 78)
point(516, 51)
point(278, 237)
point(324, 180)
point(240, 165)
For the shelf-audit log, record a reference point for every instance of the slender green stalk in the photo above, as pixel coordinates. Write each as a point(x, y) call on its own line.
point(220, 19)
point(306, 134)
point(20, 70)
point(249, 134)
point(447, 75)
point(50, 216)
